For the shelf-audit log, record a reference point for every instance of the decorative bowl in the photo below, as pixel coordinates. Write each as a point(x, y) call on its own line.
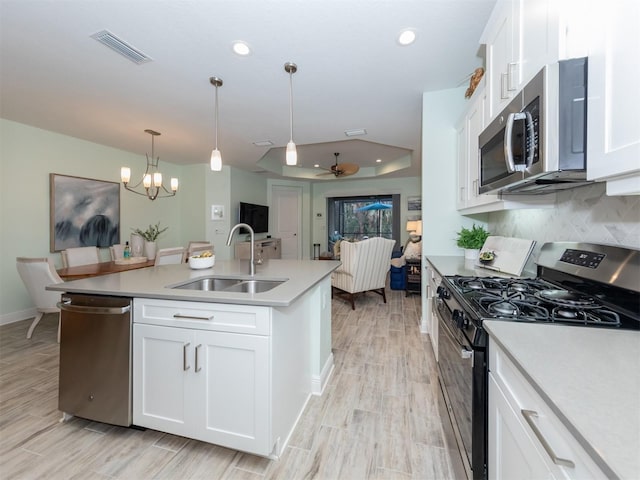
point(487, 257)
point(198, 263)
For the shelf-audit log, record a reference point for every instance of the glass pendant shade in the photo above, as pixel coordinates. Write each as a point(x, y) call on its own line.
point(292, 154)
point(216, 156)
point(216, 160)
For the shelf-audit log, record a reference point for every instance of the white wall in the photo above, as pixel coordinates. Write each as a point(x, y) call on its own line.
point(440, 219)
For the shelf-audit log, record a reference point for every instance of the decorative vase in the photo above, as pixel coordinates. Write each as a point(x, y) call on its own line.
point(137, 245)
point(471, 253)
point(150, 249)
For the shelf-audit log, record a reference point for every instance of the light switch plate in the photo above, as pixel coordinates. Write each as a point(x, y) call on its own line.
point(217, 212)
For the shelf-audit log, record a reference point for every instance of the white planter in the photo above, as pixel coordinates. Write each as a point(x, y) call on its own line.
point(137, 245)
point(471, 253)
point(150, 249)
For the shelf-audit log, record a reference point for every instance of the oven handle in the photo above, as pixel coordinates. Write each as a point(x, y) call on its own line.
point(528, 416)
point(465, 351)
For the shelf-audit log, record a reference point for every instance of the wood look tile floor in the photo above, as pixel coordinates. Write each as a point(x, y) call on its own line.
point(377, 419)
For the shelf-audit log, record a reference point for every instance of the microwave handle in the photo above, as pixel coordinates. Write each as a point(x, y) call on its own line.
point(508, 151)
point(528, 122)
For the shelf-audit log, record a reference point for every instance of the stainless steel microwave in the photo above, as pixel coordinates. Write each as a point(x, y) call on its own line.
point(537, 144)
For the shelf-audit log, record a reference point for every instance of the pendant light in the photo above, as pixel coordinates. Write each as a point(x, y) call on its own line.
point(151, 179)
point(291, 155)
point(216, 158)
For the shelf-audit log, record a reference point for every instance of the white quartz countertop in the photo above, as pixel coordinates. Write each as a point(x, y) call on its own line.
point(156, 282)
point(590, 377)
point(453, 265)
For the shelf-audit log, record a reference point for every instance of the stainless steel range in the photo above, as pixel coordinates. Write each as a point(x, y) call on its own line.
point(577, 284)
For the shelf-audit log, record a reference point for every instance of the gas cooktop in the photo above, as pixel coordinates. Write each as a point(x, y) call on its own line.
point(531, 300)
point(577, 283)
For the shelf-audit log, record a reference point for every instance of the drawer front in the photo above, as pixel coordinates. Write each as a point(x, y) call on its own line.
point(540, 421)
point(203, 316)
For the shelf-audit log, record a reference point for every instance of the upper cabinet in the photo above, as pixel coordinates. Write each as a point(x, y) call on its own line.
point(613, 128)
point(518, 44)
point(522, 36)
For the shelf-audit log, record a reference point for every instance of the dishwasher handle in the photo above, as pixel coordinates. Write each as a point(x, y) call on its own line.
point(69, 307)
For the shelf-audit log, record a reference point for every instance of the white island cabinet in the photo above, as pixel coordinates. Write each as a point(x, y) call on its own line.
point(205, 371)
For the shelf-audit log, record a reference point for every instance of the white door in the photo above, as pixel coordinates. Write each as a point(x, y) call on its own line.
point(287, 219)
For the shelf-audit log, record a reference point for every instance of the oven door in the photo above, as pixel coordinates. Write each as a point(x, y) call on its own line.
point(455, 365)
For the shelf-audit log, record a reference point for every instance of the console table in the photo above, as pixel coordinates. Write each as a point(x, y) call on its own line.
point(265, 247)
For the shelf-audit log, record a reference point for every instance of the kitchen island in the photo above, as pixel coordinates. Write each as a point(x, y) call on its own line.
point(233, 368)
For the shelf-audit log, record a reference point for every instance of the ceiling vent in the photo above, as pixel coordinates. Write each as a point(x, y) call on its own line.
point(118, 45)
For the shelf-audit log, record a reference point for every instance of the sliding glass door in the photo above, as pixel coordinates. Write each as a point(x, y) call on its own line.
point(357, 218)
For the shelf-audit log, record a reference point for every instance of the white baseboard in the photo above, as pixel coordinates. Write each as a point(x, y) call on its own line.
point(13, 317)
point(318, 382)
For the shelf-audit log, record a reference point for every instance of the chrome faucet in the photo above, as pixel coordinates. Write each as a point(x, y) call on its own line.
point(252, 266)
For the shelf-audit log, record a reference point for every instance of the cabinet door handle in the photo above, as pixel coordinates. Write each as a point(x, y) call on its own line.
point(185, 367)
point(198, 367)
point(511, 75)
point(529, 415)
point(503, 86)
point(192, 317)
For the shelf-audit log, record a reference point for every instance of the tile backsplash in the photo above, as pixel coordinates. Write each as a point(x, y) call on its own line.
point(584, 214)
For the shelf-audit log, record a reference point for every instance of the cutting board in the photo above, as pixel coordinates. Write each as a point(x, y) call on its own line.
point(511, 254)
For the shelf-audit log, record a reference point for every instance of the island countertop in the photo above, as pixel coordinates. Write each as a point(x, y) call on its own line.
point(157, 282)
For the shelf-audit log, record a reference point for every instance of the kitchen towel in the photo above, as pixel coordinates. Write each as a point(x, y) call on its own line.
point(510, 254)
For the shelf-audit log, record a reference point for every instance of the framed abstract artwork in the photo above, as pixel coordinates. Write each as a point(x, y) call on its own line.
point(83, 212)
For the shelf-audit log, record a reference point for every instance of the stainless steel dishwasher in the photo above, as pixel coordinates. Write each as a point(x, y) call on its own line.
point(95, 358)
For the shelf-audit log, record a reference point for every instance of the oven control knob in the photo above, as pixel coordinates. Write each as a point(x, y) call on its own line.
point(458, 317)
point(442, 292)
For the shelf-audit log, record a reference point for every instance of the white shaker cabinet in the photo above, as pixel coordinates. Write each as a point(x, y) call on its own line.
point(203, 384)
point(517, 46)
point(526, 438)
point(613, 128)
point(500, 36)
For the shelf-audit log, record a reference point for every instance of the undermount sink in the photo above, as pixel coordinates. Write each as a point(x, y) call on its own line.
point(217, 284)
point(254, 286)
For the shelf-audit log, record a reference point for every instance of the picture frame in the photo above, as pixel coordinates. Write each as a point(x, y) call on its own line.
point(83, 212)
point(414, 203)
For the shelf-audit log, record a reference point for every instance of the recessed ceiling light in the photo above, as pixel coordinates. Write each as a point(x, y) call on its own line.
point(406, 37)
point(263, 143)
point(316, 166)
point(379, 160)
point(241, 48)
point(355, 132)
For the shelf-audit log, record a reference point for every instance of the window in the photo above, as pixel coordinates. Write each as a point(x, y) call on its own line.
point(356, 218)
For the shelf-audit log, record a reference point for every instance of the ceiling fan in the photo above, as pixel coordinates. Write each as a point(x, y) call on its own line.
point(341, 169)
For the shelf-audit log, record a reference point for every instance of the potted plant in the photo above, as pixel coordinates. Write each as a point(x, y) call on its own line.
point(472, 239)
point(150, 236)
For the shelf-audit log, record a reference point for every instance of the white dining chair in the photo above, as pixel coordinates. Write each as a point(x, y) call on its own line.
point(73, 257)
point(116, 251)
point(36, 274)
point(165, 256)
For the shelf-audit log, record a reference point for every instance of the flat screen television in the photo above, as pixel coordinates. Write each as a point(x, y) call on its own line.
point(256, 216)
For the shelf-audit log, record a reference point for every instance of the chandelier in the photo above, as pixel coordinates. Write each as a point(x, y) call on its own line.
point(151, 179)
